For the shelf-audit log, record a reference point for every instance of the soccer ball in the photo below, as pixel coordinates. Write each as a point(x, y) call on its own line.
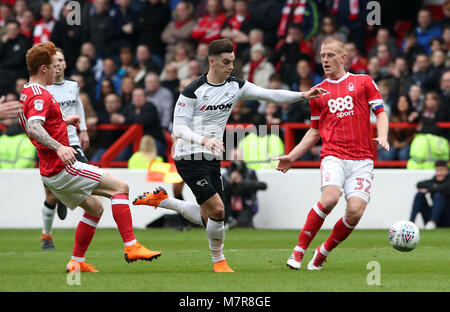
point(404, 235)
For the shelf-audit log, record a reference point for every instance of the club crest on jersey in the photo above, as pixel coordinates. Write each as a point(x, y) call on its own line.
point(38, 104)
point(351, 86)
point(216, 107)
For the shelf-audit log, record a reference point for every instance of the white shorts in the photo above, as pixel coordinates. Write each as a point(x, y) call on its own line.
point(354, 177)
point(74, 184)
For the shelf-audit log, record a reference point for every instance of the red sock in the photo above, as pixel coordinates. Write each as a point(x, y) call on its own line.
point(341, 231)
point(122, 215)
point(83, 236)
point(314, 222)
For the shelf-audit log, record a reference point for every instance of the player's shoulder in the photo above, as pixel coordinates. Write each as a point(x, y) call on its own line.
point(239, 81)
point(70, 81)
point(189, 90)
point(362, 77)
point(33, 90)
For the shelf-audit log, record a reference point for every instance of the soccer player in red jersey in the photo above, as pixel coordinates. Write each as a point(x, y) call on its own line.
point(341, 119)
point(74, 183)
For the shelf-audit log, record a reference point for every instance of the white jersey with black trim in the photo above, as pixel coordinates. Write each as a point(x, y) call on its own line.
point(67, 94)
point(203, 109)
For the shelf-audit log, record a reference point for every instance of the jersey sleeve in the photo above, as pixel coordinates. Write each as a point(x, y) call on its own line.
point(37, 107)
point(315, 113)
point(373, 96)
point(183, 118)
point(79, 110)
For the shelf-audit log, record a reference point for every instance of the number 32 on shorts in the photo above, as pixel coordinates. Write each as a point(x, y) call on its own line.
point(363, 184)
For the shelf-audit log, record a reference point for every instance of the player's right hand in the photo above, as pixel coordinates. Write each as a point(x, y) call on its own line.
point(285, 163)
point(9, 109)
point(214, 145)
point(66, 154)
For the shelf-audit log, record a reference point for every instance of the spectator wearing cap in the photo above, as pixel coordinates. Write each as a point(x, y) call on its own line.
point(258, 70)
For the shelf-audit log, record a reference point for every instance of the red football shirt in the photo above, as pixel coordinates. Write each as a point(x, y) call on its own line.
point(38, 103)
point(343, 116)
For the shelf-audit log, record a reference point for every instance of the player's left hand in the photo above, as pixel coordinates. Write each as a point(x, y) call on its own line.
point(84, 140)
point(285, 163)
point(313, 93)
point(383, 143)
point(72, 120)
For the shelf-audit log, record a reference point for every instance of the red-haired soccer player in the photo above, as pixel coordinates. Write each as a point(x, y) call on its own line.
point(74, 183)
point(342, 119)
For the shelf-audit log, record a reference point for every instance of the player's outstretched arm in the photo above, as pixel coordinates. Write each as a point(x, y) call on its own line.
point(309, 140)
point(382, 130)
point(37, 132)
point(254, 92)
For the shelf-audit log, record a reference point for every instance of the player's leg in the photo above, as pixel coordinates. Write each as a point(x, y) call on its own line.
point(84, 233)
point(332, 178)
point(341, 230)
point(114, 188)
point(48, 214)
point(357, 191)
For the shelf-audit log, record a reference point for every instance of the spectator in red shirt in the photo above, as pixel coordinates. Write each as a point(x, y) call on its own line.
point(209, 26)
point(356, 63)
point(238, 26)
point(44, 27)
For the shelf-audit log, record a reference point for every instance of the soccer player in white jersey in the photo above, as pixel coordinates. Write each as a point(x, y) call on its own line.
point(67, 93)
point(200, 117)
point(342, 119)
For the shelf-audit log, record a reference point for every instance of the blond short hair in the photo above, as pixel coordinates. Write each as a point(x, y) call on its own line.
point(340, 46)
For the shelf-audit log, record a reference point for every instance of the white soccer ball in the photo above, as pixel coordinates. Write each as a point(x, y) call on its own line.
point(404, 235)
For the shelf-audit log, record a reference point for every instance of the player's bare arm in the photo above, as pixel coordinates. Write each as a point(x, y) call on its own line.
point(309, 140)
point(382, 130)
point(37, 132)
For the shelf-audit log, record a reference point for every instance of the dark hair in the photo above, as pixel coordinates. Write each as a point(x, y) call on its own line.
point(220, 46)
point(441, 163)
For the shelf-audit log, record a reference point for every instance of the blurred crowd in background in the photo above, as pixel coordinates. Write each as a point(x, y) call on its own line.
point(131, 58)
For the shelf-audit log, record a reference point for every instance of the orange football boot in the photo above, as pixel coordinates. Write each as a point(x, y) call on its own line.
point(139, 252)
point(152, 199)
point(222, 267)
point(75, 266)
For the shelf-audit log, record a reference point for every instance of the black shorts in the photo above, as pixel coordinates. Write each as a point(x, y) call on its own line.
point(202, 176)
point(80, 155)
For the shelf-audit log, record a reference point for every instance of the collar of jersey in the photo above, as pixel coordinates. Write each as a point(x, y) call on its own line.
point(340, 79)
point(36, 84)
point(59, 83)
point(213, 84)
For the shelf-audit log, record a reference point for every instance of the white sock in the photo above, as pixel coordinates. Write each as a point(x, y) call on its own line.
point(48, 215)
point(188, 210)
point(215, 231)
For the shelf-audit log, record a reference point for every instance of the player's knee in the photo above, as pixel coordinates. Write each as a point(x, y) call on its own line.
point(97, 209)
point(329, 201)
point(51, 199)
point(354, 213)
point(122, 187)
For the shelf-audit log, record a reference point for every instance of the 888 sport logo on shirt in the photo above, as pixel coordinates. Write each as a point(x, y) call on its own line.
point(341, 106)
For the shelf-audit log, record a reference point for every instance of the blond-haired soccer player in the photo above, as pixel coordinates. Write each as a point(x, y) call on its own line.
point(72, 182)
point(342, 119)
point(200, 117)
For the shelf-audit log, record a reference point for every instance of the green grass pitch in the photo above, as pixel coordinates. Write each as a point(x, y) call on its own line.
point(258, 257)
